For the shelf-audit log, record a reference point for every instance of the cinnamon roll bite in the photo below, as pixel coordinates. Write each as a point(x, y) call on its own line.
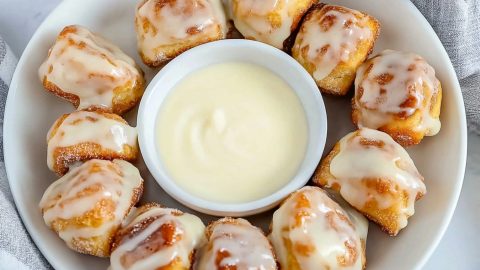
point(268, 21)
point(91, 72)
point(311, 231)
point(84, 135)
point(332, 43)
point(166, 29)
point(375, 175)
point(155, 237)
point(236, 244)
point(87, 205)
point(398, 93)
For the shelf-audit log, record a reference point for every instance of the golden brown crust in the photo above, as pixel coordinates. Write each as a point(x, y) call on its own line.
point(224, 253)
point(211, 225)
point(292, 262)
point(124, 98)
point(166, 52)
point(386, 218)
point(302, 249)
point(52, 88)
point(151, 245)
point(65, 156)
point(173, 50)
point(274, 19)
point(128, 96)
point(404, 129)
point(364, 253)
point(225, 220)
point(104, 211)
point(130, 232)
point(302, 9)
point(340, 80)
point(99, 245)
point(290, 41)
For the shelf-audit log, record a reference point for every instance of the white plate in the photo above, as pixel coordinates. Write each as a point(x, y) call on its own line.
point(31, 111)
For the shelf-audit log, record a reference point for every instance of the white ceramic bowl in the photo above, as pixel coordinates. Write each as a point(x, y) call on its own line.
point(227, 51)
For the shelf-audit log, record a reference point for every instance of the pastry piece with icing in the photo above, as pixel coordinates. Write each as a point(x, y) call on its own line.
point(398, 93)
point(155, 237)
point(166, 29)
point(268, 21)
point(84, 135)
point(236, 244)
point(87, 205)
point(375, 175)
point(332, 43)
point(311, 231)
point(91, 72)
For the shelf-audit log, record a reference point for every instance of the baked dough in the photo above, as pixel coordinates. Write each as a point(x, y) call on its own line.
point(84, 135)
point(155, 237)
point(90, 72)
point(375, 175)
point(311, 231)
point(236, 244)
point(398, 93)
point(268, 21)
point(332, 43)
point(87, 205)
point(166, 29)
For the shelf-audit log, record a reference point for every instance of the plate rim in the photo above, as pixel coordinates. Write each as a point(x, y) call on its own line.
point(462, 163)
point(49, 256)
point(12, 91)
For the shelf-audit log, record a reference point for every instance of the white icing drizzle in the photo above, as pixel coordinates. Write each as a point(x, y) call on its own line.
point(173, 22)
point(384, 159)
point(189, 231)
point(86, 65)
point(405, 76)
point(243, 246)
point(251, 18)
point(319, 231)
point(93, 127)
point(70, 196)
point(358, 219)
point(331, 38)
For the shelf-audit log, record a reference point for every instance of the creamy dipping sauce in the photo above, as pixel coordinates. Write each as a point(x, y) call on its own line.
point(232, 132)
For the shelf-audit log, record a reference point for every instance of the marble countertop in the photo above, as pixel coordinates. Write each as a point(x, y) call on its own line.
point(458, 248)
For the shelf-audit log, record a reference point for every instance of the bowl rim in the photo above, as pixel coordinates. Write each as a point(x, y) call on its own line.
point(167, 183)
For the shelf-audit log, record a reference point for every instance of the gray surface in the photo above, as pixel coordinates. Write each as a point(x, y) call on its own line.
point(16, 248)
point(457, 23)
